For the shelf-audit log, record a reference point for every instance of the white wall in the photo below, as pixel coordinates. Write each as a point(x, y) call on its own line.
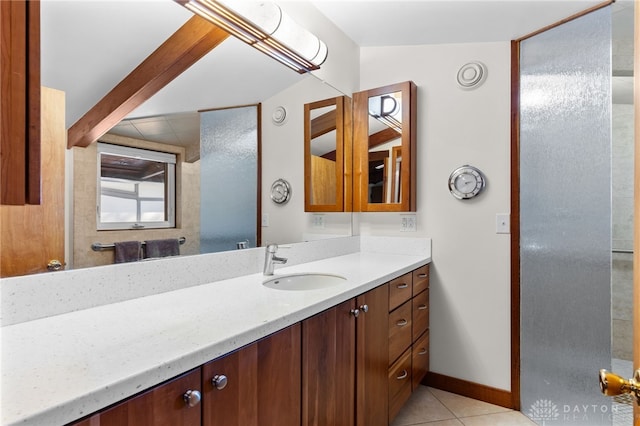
point(470, 281)
point(284, 144)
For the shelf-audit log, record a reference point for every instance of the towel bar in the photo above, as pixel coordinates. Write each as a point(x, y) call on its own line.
point(111, 246)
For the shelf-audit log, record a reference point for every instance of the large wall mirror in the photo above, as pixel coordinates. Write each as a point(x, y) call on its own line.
point(87, 67)
point(327, 155)
point(384, 148)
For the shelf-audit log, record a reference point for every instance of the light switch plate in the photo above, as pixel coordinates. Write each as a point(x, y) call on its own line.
point(265, 219)
point(503, 223)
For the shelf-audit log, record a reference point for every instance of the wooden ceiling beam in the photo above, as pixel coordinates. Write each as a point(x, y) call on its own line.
point(383, 136)
point(185, 47)
point(323, 124)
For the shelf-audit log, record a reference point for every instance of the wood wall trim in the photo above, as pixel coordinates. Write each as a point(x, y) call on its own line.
point(515, 224)
point(636, 203)
point(568, 19)
point(34, 175)
point(186, 46)
point(20, 110)
point(473, 390)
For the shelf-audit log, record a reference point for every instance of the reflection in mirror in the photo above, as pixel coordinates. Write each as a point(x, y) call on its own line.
point(137, 188)
point(230, 170)
point(327, 154)
point(385, 148)
point(385, 143)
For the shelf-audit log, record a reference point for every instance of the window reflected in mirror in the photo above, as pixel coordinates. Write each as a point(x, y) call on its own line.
point(136, 188)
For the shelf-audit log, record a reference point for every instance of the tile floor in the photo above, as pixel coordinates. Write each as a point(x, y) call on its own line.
point(434, 407)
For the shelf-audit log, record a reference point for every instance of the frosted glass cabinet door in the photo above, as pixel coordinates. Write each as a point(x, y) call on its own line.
point(565, 200)
point(228, 178)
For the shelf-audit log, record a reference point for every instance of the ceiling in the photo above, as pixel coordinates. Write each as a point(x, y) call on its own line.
point(89, 46)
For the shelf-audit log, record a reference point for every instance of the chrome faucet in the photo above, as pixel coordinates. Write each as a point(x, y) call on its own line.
point(270, 259)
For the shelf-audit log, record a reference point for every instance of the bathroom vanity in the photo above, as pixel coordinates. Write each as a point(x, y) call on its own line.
point(232, 352)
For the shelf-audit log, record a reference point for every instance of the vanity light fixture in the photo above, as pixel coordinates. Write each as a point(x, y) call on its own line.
point(264, 26)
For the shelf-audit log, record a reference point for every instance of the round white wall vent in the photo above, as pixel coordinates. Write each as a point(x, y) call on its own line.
point(279, 116)
point(471, 75)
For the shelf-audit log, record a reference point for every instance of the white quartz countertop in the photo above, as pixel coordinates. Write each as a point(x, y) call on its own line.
point(61, 368)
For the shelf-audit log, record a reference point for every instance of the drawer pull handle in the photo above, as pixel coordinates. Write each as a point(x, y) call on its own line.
point(423, 351)
point(403, 375)
point(403, 285)
point(422, 275)
point(402, 323)
point(422, 307)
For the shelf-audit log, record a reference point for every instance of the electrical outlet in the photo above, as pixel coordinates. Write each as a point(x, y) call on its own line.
point(408, 223)
point(265, 220)
point(318, 221)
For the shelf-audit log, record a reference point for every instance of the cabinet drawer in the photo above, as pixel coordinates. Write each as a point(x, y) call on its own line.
point(420, 314)
point(400, 290)
point(399, 331)
point(399, 384)
point(420, 357)
point(420, 279)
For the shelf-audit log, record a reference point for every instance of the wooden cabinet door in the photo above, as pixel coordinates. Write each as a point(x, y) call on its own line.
point(328, 367)
point(163, 405)
point(372, 358)
point(32, 235)
point(262, 383)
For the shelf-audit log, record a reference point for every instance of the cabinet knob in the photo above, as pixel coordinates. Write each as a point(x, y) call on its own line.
point(54, 265)
point(364, 308)
point(355, 312)
point(192, 397)
point(219, 381)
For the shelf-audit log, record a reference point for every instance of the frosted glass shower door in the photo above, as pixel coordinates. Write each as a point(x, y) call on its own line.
point(565, 220)
point(228, 178)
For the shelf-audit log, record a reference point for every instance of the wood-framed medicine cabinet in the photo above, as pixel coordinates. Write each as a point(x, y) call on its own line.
point(328, 155)
point(384, 148)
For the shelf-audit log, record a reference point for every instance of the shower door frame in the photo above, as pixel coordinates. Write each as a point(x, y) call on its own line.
point(515, 202)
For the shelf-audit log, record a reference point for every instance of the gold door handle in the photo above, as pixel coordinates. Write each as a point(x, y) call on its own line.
point(612, 384)
point(54, 265)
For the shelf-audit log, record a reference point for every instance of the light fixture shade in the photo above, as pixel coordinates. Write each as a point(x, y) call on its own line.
point(264, 26)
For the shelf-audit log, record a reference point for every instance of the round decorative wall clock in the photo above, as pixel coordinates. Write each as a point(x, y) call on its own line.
point(466, 182)
point(280, 191)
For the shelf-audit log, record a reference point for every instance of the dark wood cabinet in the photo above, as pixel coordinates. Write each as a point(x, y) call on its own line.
point(261, 383)
point(163, 405)
point(372, 356)
point(408, 336)
point(328, 367)
point(354, 364)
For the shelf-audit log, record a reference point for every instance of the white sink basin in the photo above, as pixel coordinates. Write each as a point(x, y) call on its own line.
point(304, 281)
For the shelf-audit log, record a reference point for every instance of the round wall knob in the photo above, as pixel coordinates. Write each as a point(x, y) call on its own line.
point(355, 312)
point(364, 308)
point(192, 397)
point(219, 381)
